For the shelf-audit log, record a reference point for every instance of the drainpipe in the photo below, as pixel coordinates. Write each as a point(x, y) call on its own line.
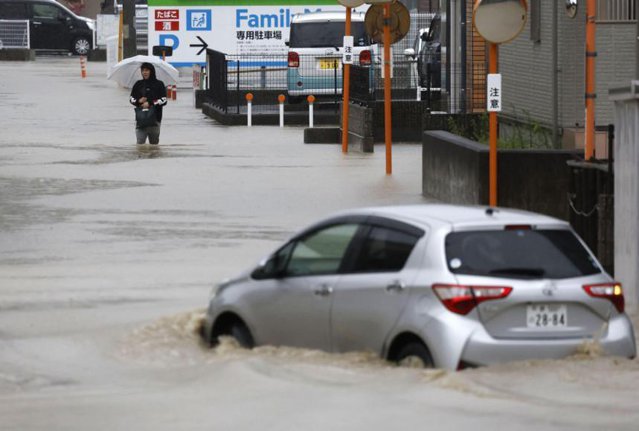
point(555, 75)
point(591, 53)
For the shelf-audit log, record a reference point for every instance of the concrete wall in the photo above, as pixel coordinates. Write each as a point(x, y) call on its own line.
point(526, 68)
point(455, 170)
point(627, 191)
point(615, 64)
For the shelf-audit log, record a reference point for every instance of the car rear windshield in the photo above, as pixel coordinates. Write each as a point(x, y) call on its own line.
point(519, 253)
point(325, 34)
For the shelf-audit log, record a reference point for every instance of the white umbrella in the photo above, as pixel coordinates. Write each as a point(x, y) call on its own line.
point(127, 72)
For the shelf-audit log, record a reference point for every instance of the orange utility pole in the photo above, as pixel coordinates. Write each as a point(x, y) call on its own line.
point(346, 88)
point(591, 53)
point(492, 133)
point(387, 91)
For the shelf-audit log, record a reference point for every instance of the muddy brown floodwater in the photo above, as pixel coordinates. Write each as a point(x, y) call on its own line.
point(108, 254)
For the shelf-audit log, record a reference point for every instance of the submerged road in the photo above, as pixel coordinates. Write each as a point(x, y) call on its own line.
point(108, 253)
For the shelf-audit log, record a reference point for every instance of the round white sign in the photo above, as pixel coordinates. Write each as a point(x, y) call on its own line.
point(499, 21)
point(351, 3)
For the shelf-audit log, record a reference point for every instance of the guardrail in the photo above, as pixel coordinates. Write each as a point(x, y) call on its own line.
point(14, 34)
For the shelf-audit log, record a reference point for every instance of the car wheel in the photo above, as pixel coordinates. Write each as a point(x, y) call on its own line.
point(81, 46)
point(241, 333)
point(414, 355)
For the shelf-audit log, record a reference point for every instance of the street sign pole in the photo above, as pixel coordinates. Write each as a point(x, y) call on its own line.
point(497, 21)
point(346, 88)
point(492, 134)
point(591, 53)
point(387, 92)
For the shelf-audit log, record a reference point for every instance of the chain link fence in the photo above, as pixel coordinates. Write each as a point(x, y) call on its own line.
point(14, 34)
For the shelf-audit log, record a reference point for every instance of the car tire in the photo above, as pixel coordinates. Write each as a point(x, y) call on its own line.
point(414, 355)
point(241, 333)
point(81, 46)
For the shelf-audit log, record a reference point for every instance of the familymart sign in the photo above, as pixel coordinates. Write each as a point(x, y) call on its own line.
point(230, 26)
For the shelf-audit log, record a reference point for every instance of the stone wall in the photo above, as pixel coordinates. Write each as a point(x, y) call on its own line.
point(455, 170)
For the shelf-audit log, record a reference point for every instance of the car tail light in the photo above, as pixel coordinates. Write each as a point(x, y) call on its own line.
point(365, 58)
point(293, 59)
point(462, 299)
point(610, 291)
point(518, 227)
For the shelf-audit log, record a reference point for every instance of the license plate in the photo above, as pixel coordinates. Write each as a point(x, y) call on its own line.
point(546, 316)
point(329, 63)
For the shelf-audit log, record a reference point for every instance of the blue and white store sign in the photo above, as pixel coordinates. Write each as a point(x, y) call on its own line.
point(231, 27)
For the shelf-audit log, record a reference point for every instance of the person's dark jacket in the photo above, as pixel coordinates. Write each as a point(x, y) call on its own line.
point(153, 89)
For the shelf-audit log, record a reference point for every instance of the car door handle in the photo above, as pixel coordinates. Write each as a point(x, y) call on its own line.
point(323, 290)
point(396, 286)
point(36, 23)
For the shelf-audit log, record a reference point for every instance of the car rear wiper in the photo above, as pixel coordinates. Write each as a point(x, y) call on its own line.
point(530, 272)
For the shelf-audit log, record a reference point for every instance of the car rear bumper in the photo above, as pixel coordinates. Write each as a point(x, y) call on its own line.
point(482, 349)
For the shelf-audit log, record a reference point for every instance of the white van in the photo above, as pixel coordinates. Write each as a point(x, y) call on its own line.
point(315, 52)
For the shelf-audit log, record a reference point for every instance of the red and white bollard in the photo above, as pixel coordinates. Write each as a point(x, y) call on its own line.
point(174, 93)
point(249, 109)
point(83, 66)
point(169, 91)
point(311, 100)
point(281, 98)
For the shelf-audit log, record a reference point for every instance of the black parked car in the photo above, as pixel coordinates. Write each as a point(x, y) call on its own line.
point(51, 25)
point(430, 55)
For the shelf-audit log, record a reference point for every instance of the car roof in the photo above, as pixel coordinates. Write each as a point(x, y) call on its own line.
point(325, 16)
point(436, 216)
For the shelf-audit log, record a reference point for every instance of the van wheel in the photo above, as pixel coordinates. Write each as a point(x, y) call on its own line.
point(414, 355)
point(81, 46)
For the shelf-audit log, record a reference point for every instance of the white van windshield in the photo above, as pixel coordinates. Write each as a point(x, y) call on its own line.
point(320, 34)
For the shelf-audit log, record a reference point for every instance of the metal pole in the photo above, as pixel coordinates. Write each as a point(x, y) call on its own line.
point(555, 77)
point(335, 65)
point(492, 134)
point(237, 86)
point(428, 84)
point(346, 88)
point(590, 96)
point(387, 92)
point(130, 43)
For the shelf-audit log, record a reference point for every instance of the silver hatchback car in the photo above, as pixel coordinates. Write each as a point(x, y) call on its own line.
point(433, 285)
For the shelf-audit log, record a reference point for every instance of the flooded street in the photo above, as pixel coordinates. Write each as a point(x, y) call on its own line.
point(108, 254)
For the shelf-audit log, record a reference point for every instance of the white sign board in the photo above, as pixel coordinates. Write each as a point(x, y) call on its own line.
point(347, 55)
point(493, 92)
point(241, 29)
point(107, 26)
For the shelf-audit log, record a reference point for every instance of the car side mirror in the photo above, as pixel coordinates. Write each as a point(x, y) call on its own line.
point(267, 268)
point(287, 43)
